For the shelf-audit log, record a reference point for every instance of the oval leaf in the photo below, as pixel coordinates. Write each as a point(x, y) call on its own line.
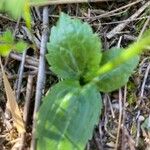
point(119, 76)
point(67, 116)
point(74, 50)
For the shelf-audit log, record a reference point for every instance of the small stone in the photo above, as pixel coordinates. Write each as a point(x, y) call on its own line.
point(141, 118)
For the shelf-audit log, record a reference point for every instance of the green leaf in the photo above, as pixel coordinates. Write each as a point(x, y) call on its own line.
point(4, 49)
point(2, 4)
point(6, 43)
point(6, 37)
point(67, 116)
point(12, 7)
point(119, 76)
point(20, 46)
point(73, 50)
point(17, 9)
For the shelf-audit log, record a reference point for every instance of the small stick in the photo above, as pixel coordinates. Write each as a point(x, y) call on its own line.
point(121, 26)
point(144, 27)
point(129, 138)
point(120, 107)
point(144, 81)
point(26, 107)
point(32, 37)
point(29, 60)
point(41, 74)
point(21, 69)
point(55, 2)
point(25, 74)
point(120, 119)
point(141, 96)
point(106, 117)
point(28, 98)
point(139, 121)
point(111, 108)
point(123, 117)
point(123, 21)
point(115, 10)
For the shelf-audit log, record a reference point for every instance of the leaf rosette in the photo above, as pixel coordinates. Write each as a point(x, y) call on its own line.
point(71, 108)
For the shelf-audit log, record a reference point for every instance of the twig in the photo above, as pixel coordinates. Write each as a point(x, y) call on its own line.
point(119, 42)
point(122, 21)
point(144, 81)
point(41, 73)
point(111, 108)
point(31, 67)
point(120, 119)
point(129, 139)
point(115, 10)
point(29, 60)
point(144, 27)
point(139, 120)
point(120, 107)
point(27, 106)
point(130, 37)
point(106, 118)
point(54, 2)
point(141, 96)
point(123, 118)
point(21, 69)
point(25, 75)
point(38, 13)
point(31, 37)
point(121, 26)
point(101, 134)
point(142, 63)
point(28, 98)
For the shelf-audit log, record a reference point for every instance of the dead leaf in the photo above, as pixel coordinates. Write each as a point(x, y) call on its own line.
point(12, 104)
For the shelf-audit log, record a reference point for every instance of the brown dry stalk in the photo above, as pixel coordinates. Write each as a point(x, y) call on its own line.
point(120, 119)
point(121, 26)
point(12, 103)
point(54, 2)
point(28, 60)
point(115, 10)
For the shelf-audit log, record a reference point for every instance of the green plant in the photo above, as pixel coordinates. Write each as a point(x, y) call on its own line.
point(17, 9)
point(7, 43)
point(72, 107)
point(12, 7)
